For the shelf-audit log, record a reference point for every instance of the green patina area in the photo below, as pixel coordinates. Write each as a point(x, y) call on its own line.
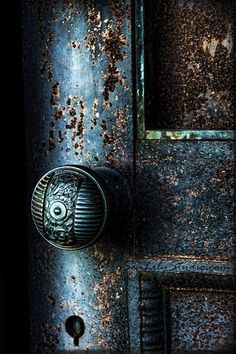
point(190, 134)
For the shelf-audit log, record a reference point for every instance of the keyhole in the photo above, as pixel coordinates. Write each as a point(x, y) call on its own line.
point(75, 328)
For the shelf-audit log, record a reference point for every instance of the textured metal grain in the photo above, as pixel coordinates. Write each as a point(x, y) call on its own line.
point(187, 65)
point(187, 189)
point(79, 110)
point(194, 314)
point(182, 313)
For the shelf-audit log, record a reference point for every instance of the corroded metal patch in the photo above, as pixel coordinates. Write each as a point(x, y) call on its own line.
point(184, 200)
point(185, 65)
point(181, 313)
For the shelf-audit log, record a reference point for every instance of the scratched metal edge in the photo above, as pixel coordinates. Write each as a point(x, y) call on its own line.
point(139, 59)
point(142, 132)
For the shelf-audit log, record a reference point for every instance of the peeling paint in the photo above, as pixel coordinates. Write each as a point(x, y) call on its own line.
point(114, 43)
point(78, 64)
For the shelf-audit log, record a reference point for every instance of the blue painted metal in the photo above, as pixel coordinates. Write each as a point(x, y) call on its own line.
point(188, 200)
point(78, 107)
point(79, 104)
point(166, 297)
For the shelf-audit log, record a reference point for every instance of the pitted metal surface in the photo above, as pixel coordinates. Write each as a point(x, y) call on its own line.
point(187, 189)
point(192, 316)
point(78, 105)
point(189, 64)
point(80, 55)
point(79, 110)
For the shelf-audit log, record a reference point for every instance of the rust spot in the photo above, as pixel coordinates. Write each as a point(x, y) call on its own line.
point(114, 41)
point(51, 141)
point(80, 127)
point(94, 16)
point(94, 121)
point(50, 339)
point(45, 65)
point(49, 40)
point(104, 125)
point(70, 9)
point(210, 46)
point(107, 138)
point(72, 111)
point(90, 40)
point(121, 9)
point(107, 291)
point(60, 137)
point(76, 124)
point(59, 114)
point(75, 44)
point(73, 115)
point(198, 39)
point(81, 103)
point(51, 299)
point(121, 120)
point(110, 159)
point(95, 112)
point(94, 23)
point(111, 79)
point(72, 123)
point(55, 95)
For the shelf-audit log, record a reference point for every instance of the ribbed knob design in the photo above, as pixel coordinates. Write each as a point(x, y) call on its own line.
point(89, 212)
point(70, 207)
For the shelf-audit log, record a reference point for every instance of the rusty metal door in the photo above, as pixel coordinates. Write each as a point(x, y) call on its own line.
point(145, 88)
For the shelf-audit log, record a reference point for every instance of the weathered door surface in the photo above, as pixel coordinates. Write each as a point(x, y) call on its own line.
point(145, 88)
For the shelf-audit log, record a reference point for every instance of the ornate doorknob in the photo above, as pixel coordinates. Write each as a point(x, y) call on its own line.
point(72, 205)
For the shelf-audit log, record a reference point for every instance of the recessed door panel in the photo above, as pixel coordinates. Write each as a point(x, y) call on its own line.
point(187, 189)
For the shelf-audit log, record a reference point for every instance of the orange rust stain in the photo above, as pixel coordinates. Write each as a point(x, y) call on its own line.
point(73, 114)
point(108, 139)
point(106, 294)
point(114, 41)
